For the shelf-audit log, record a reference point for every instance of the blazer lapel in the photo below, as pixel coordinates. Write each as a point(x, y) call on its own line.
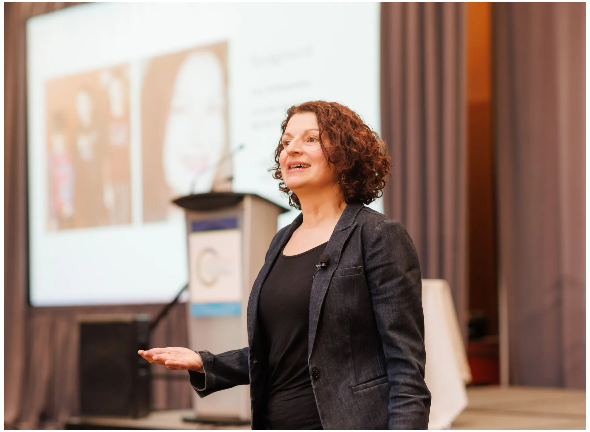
point(321, 281)
point(252, 314)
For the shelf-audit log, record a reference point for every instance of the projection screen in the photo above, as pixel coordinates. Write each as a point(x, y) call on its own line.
point(131, 105)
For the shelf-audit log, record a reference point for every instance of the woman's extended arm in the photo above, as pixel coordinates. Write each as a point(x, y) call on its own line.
point(208, 373)
point(394, 281)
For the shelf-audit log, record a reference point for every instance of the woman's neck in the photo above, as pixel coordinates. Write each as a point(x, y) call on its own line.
point(321, 209)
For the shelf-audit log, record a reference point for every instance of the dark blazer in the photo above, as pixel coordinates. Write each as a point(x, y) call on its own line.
point(366, 330)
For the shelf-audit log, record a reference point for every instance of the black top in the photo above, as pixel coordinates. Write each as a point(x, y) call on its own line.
point(284, 316)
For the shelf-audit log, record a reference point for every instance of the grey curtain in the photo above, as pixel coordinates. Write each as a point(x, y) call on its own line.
point(540, 114)
point(423, 122)
point(41, 344)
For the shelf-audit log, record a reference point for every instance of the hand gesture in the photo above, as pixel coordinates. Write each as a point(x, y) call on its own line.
point(174, 358)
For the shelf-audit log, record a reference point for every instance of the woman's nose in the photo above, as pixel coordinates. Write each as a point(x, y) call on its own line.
point(294, 147)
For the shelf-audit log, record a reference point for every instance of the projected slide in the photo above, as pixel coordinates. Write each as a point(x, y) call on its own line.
point(88, 165)
point(173, 99)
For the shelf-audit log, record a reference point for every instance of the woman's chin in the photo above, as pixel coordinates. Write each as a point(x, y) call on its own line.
point(295, 185)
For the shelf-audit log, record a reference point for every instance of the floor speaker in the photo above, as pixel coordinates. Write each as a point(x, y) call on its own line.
point(114, 379)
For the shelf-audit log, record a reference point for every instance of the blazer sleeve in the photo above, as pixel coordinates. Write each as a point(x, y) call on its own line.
point(222, 371)
point(393, 277)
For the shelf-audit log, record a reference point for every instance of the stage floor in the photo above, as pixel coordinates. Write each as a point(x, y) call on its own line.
point(490, 407)
point(494, 407)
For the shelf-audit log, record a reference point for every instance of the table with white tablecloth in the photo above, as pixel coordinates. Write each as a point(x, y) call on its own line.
point(447, 369)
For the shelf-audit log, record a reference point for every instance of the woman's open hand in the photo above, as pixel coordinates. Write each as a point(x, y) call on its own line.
point(174, 358)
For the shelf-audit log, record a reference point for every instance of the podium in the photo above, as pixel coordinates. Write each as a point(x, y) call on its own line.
point(228, 235)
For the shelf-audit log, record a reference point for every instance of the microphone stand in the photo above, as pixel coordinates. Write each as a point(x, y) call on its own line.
point(216, 166)
point(155, 323)
point(166, 309)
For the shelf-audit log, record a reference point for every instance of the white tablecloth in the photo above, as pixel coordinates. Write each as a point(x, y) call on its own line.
point(447, 370)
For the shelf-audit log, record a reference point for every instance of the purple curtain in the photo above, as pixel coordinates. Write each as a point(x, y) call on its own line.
point(540, 114)
point(423, 118)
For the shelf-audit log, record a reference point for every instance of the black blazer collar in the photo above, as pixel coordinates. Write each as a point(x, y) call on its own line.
point(346, 219)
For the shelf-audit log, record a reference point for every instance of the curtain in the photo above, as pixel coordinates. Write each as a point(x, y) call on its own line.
point(15, 193)
point(423, 118)
point(41, 344)
point(540, 113)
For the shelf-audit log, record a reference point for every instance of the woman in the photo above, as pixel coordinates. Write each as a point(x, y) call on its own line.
point(339, 345)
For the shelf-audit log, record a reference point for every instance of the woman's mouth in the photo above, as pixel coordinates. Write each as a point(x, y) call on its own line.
point(297, 167)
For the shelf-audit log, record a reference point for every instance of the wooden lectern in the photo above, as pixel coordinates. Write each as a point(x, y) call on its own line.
point(228, 235)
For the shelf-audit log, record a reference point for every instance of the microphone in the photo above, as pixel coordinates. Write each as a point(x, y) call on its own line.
point(216, 166)
point(324, 261)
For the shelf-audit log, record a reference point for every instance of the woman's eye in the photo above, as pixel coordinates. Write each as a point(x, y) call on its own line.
point(312, 139)
point(285, 143)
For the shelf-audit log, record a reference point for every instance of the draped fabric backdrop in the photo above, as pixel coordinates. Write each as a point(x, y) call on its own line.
point(423, 122)
point(540, 114)
point(41, 344)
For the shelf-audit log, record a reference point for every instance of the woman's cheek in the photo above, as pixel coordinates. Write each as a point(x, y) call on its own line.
point(282, 160)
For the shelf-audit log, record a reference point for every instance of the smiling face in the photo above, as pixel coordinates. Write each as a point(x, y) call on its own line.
point(303, 164)
point(195, 131)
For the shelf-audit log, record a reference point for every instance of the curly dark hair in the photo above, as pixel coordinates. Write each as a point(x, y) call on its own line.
point(357, 152)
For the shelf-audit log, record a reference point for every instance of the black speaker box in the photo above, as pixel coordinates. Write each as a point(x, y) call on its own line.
point(114, 380)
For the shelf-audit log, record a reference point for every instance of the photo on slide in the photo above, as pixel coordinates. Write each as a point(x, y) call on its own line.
point(184, 128)
point(88, 160)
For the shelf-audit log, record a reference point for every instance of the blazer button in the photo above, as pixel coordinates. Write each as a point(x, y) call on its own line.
point(315, 374)
point(254, 361)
